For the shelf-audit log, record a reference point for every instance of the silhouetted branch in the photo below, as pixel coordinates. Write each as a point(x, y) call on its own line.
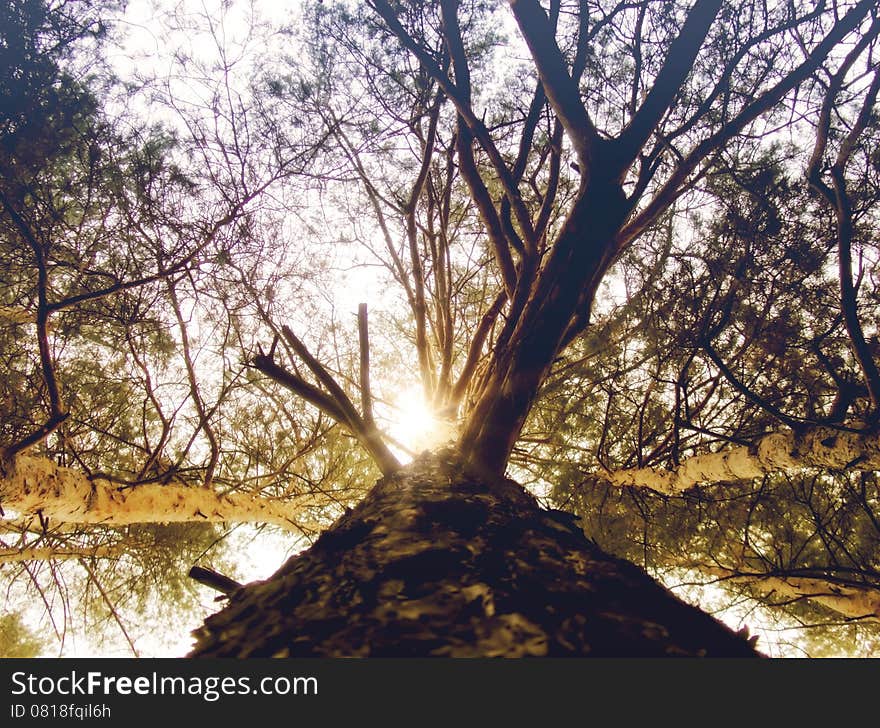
point(301, 387)
point(756, 107)
point(334, 402)
point(214, 580)
point(562, 91)
point(476, 348)
point(837, 197)
point(676, 67)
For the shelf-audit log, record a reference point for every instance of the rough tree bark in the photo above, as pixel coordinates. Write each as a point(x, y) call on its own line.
point(443, 560)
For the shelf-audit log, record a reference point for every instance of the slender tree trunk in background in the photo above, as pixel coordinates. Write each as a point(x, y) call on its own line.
point(851, 601)
point(817, 447)
point(442, 560)
point(64, 495)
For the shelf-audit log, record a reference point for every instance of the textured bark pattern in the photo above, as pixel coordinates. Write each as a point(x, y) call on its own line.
point(64, 495)
point(440, 561)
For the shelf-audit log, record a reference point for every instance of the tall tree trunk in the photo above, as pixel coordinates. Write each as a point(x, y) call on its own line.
point(442, 560)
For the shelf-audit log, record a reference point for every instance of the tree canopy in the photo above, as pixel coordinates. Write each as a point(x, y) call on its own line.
point(623, 252)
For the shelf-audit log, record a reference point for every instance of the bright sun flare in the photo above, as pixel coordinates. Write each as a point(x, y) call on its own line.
point(414, 424)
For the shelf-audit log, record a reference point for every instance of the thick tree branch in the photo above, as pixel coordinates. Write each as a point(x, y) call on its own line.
point(334, 402)
point(526, 141)
point(38, 435)
point(299, 386)
point(549, 202)
point(483, 200)
point(757, 107)
point(823, 126)
point(508, 180)
point(57, 413)
point(323, 376)
point(214, 580)
point(852, 602)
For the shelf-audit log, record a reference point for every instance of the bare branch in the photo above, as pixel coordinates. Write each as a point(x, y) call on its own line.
point(364, 341)
point(214, 580)
point(33, 553)
point(110, 605)
point(195, 394)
